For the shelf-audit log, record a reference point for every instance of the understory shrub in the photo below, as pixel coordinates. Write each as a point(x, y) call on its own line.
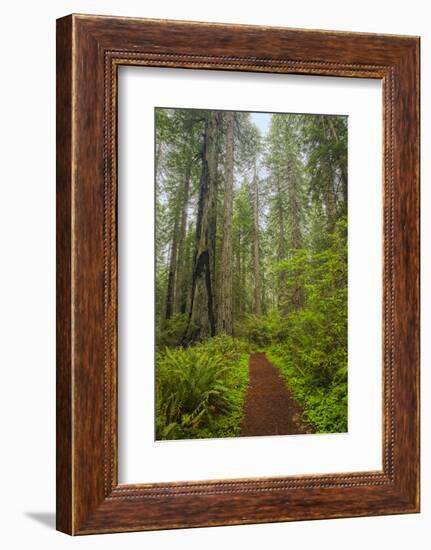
point(172, 331)
point(309, 342)
point(261, 331)
point(325, 407)
point(200, 390)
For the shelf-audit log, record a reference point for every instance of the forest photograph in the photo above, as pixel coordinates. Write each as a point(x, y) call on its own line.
point(251, 273)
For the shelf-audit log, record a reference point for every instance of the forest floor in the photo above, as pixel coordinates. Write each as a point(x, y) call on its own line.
point(270, 408)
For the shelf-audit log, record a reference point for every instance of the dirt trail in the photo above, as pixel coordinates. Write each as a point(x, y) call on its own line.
point(269, 406)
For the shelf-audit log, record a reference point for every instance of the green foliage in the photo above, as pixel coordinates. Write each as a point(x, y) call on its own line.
point(325, 144)
point(313, 353)
point(309, 343)
point(200, 390)
point(242, 241)
point(295, 247)
point(172, 331)
point(261, 331)
point(324, 407)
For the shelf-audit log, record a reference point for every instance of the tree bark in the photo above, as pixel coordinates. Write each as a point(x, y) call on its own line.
point(295, 228)
point(170, 292)
point(329, 197)
point(256, 256)
point(202, 317)
point(180, 286)
point(224, 318)
point(281, 249)
point(238, 302)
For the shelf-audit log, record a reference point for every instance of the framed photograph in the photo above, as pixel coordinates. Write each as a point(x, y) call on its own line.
point(237, 274)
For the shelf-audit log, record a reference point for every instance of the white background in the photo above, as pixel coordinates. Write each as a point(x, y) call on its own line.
point(27, 237)
point(141, 458)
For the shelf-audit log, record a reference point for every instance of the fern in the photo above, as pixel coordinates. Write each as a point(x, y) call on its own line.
point(197, 386)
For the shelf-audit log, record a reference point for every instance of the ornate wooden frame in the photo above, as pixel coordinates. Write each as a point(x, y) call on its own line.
point(89, 51)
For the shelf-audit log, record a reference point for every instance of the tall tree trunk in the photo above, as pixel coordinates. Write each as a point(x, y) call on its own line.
point(213, 212)
point(243, 284)
point(329, 197)
point(180, 287)
point(170, 292)
point(239, 310)
point(202, 317)
point(343, 177)
point(188, 265)
point(256, 257)
point(281, 248)
point(295, 227)
point(224, 316)
point(341, 165)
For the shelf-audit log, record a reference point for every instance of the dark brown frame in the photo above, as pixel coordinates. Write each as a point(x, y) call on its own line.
point(89, 51)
